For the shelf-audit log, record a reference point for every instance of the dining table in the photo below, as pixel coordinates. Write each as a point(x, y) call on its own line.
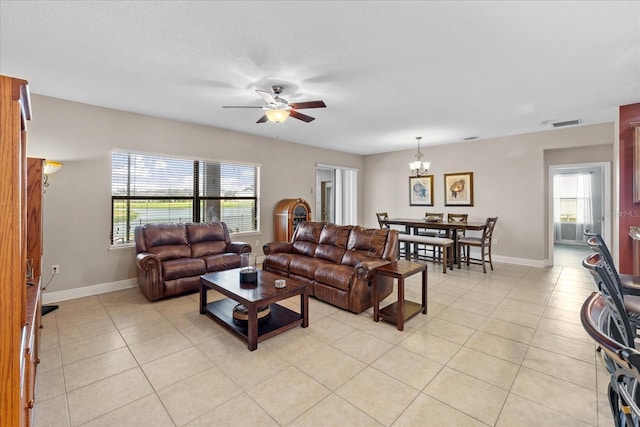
point(412, 225)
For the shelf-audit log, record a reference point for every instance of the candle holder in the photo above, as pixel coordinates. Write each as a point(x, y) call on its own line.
point(248, 270)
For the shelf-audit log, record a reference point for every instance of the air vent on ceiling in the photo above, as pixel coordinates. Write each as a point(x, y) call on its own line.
point(566, 123)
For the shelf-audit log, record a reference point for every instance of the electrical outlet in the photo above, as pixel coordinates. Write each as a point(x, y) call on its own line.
point(55, 268)
point(495, 241)
point(257, 244)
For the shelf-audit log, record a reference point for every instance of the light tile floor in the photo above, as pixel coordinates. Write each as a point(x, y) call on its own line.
point(499, 349)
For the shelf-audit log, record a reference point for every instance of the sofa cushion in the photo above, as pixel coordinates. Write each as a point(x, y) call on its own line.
point(308, 232)
point(168, 252)
point(221, 262)
point(337, 276)
point(184, 267)
point(335, 235)
point(165, 234)
point(333, 242)
point(279, 261)
point(304, 248)
point(203, 249)
point(369, 240)
point(352, 258)
point(206, 238)
point(305, 266)
point(365, 244)
point(330, 253)
point(206, 232)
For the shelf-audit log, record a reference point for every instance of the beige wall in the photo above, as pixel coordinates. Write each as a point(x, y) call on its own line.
point(509, 180)
point(77, 211)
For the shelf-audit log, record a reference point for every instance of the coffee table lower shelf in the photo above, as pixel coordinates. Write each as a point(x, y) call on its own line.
point(280, 320)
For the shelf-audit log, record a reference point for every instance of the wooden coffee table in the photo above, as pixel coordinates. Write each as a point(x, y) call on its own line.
point(253, 296)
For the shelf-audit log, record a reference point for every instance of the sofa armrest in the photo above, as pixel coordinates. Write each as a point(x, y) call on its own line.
point(149, 275)
point(365, 269)
point(239, 247)
point(275, 247)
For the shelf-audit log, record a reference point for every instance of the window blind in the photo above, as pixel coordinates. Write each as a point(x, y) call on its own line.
point(155, 189)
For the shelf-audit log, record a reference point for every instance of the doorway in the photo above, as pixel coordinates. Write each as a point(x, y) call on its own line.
point(579, 197)
point(336, 194)
point(326, 201)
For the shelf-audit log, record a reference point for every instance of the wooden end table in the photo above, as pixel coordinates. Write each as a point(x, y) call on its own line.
point(253, 296)
point(401, 310)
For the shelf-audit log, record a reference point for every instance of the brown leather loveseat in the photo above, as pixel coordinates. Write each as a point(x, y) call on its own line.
point(337, 261)
point(171, 257)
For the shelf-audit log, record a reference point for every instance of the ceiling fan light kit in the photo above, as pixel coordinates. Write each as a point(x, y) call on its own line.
point(277, 109)
point(277, 116)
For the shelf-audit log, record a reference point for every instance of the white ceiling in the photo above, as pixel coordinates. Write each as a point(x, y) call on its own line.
point(388, 70)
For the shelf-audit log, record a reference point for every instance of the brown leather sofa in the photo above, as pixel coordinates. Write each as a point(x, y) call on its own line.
point(171, 257)
point(337, 261)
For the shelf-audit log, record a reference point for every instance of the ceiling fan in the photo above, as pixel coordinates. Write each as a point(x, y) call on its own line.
point(278, 109)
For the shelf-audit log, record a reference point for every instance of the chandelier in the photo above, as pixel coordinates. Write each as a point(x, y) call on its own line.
point(418, 167)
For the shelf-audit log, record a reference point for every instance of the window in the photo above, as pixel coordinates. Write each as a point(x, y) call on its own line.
point(152, 189)
point(568, 209)
point(573, 207)
point(573, 191)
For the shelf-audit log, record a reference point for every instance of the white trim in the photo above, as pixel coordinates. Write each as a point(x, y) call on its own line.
point(520, 261)
point(86, 291)
point(605, 168)
point(122, 246)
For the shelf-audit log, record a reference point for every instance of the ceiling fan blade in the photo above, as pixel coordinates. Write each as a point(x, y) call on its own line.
point(262, 119)
point(301, 116)
point(308, 104)
point(240, 106)
point(267, 96)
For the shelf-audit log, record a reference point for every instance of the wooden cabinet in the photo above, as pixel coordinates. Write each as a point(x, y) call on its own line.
point(287, 214)
point(21, 236)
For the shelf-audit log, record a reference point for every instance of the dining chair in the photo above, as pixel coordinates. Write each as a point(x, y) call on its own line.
point(606, 326)
point(629, 283)
point(461, 218)
point(456, 217)
point(431, 217)
point(483, 243)
point(383, 216)
point(430, 232)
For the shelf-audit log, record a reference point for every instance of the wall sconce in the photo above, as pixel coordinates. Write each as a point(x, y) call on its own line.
point(418, 167)
point(50, 167)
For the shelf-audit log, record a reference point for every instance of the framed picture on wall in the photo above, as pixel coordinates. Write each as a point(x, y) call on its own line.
point(458, 189)
point(421, 190)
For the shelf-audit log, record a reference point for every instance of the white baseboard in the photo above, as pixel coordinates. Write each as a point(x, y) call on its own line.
point(520, 261)
point(86, 291)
